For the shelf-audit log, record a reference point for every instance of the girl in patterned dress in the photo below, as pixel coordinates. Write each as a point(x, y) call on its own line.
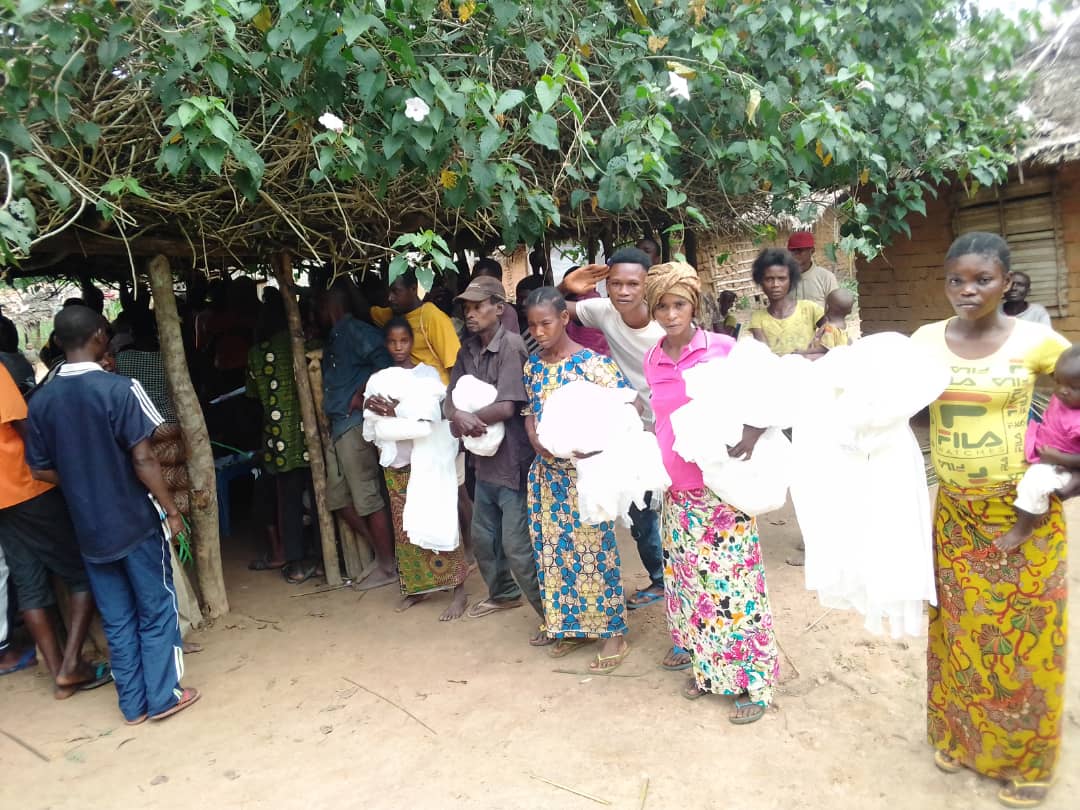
point(421, 571)
point(577, 564)
point(714, 575)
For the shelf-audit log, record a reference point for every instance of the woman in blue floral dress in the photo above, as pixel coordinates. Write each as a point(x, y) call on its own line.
point(577, 564)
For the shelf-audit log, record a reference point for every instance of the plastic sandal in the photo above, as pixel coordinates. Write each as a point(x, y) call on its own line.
point(187, 697)
point(946, 764)
point(677, 650)
point(752, 718)
point(618, 658)
point(1007, 795)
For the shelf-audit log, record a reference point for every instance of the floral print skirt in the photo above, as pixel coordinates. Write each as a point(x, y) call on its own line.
point(717, 602)
point(996, 647)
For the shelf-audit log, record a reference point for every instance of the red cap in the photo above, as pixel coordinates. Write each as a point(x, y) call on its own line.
point(800, 240)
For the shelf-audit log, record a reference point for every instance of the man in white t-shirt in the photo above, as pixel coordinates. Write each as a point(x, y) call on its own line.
point(816, 282)
point(631, 332)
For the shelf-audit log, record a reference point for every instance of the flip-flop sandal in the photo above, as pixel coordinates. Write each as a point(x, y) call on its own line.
point(618, 658)
point(102, 675)
point(1010, 799)
point(678, 667)
point(487, 607)
point(564, 646)
point(645, 598)
point(541, 639)
point(750, 718)
point(300, 575)
point(138, 721)
point(263, 564)
point(187, 697)
point(691, 691)
point(946, 764)
point(28, 659)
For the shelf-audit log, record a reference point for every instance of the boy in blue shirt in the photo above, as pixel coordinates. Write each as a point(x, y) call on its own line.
point(89, 431)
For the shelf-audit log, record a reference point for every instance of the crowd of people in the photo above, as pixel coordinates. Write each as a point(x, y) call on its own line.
point(996, 635)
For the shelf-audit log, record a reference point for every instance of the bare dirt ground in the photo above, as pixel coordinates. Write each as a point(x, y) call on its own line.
point(335, 700)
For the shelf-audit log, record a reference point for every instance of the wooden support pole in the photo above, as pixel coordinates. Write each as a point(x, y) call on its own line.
point(200, 461)
point(283, 273)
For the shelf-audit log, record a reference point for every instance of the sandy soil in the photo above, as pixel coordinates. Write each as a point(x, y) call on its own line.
point(335, 700)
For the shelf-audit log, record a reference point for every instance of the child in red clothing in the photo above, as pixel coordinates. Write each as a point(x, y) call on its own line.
point(1053, 448)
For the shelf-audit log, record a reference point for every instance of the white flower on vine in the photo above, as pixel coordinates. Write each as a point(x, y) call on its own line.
point(332, 122)
point(416, 108)
point(678, 87)
point(866, 85)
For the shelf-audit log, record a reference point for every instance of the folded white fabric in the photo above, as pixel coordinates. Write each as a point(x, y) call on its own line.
point(582, 417)
point(419, 404)
point(430, 516)
point(713, 420)
point(859, 483)
point(471, 394)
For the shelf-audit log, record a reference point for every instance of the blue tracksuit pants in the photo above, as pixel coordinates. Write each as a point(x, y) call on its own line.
point(142, 625)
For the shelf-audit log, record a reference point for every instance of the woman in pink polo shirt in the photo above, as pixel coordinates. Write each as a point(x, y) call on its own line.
point(714, 576)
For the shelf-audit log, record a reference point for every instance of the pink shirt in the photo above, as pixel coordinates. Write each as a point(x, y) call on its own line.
point(669, 394)
point(1059, 429)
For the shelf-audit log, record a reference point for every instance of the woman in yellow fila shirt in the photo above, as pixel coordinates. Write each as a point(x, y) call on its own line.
point(996, 647)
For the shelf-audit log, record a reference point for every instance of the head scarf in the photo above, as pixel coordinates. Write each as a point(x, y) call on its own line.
point(676, 278)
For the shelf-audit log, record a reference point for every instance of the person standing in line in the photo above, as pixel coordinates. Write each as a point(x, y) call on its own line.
point(500, 531)
point(492, 269)
point(651, 248)
point(997, 638)
point(578, 567)
point(1017, 305)
point(123, 511)
point(815, 282)
point(630, 332)
point(787, 325)
point(285, 461)
point(354, 351)
point(436, 343)
point(714, 574)
point(37, 539)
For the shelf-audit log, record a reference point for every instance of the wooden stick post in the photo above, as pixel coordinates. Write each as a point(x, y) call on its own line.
point(200, 462)
point(283, 273)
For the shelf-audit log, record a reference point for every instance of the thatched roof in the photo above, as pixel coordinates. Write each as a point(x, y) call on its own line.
point(1054, 66)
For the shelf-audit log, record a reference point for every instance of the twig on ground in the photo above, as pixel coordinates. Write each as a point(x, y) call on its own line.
point(25, 745)
point(644, 792)
point(395, 705)
point(321, 590)
point(598, 674)
point(814, 623)
point(576, 792)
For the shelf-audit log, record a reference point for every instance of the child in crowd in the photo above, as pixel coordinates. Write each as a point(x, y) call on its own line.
point(1053, 448)
point(90, 432)
point(832, 329)
point(420, 570)
point(577, 564)
point(725, 322)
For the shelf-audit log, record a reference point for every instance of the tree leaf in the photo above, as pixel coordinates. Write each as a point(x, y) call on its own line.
point(545, 131)
point(219, 74)
point(508, 100)
point(547, 92)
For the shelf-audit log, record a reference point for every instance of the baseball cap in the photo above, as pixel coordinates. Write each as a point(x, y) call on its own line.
point(800, 240)
point(482, 288)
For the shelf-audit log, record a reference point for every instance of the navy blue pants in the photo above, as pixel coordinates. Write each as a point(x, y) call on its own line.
point(645, 528)
point(142, 625)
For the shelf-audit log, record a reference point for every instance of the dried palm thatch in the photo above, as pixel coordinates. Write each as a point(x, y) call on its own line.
point(1054, 67)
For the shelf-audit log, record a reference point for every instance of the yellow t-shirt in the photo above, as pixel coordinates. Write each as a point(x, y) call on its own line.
point(790, 334)
point(830, 336)
point(435, 343)
point(978, 423)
